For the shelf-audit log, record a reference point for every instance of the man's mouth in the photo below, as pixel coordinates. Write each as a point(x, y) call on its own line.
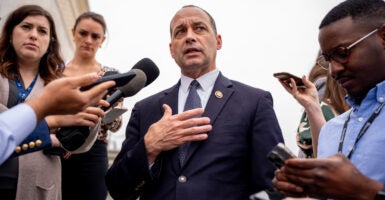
point(191, 50)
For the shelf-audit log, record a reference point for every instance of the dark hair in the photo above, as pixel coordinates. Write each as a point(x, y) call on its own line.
point(94, 16)
point(212, 21)
point(51, 64)
point(372, 12)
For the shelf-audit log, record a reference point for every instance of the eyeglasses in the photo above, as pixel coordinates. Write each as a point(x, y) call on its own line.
point(340, 54)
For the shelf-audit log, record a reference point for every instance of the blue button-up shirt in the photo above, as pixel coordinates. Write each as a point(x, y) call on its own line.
point(369, 155)
point(15, 125)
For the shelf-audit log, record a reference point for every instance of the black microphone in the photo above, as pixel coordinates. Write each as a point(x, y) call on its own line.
point(149, 68)
point(110, 90)
point(146, 72)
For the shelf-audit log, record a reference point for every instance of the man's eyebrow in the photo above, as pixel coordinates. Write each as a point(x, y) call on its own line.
point(179, 26)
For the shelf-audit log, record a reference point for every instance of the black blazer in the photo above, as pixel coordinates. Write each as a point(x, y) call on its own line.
point(230, 164)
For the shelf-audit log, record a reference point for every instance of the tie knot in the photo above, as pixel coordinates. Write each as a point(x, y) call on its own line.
point(194, 84)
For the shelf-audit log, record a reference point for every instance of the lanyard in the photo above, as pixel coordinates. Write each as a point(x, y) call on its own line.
point(362, 131)
point(23, 94)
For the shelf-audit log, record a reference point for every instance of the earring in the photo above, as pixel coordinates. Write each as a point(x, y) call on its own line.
point(10, 41)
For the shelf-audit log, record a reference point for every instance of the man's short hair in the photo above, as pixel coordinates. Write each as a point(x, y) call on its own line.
point(372, 12)
point(212, 21)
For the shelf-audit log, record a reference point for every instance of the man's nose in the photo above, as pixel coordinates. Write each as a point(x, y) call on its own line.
point(190, 36)
point(335, 68)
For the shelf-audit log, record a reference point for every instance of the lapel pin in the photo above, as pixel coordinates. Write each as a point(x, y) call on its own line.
point(218, 94)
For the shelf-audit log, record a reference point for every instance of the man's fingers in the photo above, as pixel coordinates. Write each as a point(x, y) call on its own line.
point(288, 188)
point(195, 137)
point(302, 163)
point(104, 103)
point(84, 80)
point(197, 130)
point(190, 113)
point(95, 111)
point(195, 121)
point(98, 91)
point(167, 110)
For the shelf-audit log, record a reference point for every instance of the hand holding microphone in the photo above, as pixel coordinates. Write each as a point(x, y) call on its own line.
point(142, 74)
point(145, 72)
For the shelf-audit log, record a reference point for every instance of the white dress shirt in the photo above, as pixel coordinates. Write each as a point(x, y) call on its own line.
point(206, 85)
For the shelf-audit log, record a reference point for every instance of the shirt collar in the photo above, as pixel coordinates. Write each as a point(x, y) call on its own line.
point(377, 93)
point(205, 81)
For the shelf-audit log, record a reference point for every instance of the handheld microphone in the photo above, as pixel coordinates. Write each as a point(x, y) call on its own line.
point(146, 72)
point(110, 90)
point(149, 68)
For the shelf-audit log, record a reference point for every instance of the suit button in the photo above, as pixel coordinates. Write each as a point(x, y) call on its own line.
point(32, 145)
point(182, 179)
point(24, 147)
point(38, 143)
point(18, 149)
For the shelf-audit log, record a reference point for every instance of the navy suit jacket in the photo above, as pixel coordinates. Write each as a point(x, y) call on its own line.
point(38, 140)
point(231, 164)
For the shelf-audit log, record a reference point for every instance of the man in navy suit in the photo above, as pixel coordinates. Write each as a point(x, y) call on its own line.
point(227, 140)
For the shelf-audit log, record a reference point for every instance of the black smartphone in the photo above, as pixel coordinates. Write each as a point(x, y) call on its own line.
point(120, 80)
point(285, 76)
point(279, 154)
point(113, 114)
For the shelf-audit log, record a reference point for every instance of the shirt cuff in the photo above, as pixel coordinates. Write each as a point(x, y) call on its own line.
point(21, 120)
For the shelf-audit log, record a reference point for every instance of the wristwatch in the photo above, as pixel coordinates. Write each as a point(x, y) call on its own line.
point(380, 195)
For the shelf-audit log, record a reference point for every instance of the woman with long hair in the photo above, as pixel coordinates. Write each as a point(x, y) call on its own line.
point(29, 60)
point(83, 174)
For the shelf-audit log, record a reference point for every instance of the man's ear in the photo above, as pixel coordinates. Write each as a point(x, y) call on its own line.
point(219, 42)
point(171, 50)
point(381, 30)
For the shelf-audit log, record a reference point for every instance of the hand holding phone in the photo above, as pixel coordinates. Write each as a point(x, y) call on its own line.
point(279, 154)
point(120, 80)
point(285, 77)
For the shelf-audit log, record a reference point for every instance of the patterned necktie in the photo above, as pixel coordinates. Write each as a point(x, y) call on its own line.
point(193, 101)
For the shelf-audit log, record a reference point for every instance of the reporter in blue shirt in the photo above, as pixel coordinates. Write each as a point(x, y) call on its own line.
point(350, 146)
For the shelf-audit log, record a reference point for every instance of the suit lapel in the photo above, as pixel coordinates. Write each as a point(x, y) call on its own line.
point(171, 98)
point(220, 95)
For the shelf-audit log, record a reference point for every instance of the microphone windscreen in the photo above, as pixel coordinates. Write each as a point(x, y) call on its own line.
point(149, 68)
point(135, 85)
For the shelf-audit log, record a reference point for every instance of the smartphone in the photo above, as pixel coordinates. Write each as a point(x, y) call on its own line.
point(113, 114)
point(285, 76)
point(120, 80)
point(279, 154)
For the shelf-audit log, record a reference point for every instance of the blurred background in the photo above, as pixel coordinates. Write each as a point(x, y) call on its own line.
point(260, 37)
